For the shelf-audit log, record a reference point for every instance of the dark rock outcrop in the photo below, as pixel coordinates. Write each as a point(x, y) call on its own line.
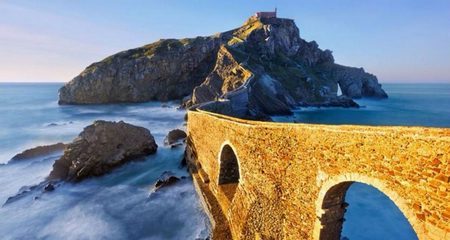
point(39, 151)
point(165, 180)
point(49, 187)
point(101, 147)
point(175, 136)
point(261, 68)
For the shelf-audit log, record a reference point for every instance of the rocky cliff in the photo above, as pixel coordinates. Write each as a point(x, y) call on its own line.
point(263, 67)
point(164, 70)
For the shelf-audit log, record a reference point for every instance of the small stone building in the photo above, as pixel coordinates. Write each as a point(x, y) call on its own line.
point(266, 14)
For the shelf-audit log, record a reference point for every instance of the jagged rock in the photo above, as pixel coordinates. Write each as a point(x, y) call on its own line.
point(39, 151)
point(226, 76)
point(175, 136)
point(262, 68)
point(49, 187)
point(101, 147)
point(165, 180)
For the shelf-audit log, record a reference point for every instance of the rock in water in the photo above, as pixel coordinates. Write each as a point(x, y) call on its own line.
point(39, 151)
point(101, 147)
point(49, 187)
point(175, 136)
point(261, 68)
point(165, 180)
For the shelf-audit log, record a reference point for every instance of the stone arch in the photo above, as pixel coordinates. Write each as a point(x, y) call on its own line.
point(229, 170)
point(331, 205)
point(229, 165)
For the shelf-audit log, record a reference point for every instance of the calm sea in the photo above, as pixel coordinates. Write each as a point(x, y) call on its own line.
point(118, 205)
point(407, 105)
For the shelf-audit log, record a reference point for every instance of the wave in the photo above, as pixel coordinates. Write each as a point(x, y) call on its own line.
point(110, 203)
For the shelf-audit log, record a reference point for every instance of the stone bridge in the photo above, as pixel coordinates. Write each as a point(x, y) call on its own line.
point(264, 180)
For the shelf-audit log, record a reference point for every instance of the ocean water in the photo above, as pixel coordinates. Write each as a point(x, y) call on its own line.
point(407, 105)
point(372, 215)
point(120, 205)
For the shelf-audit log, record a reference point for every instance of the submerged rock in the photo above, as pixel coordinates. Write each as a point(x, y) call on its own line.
point(23, 192)
point(174, 137)
point(58, 124)
point(38, 189)
point(101, 147)
point(39, 151)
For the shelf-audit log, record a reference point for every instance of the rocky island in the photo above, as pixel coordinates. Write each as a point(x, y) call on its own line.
point(262, 68)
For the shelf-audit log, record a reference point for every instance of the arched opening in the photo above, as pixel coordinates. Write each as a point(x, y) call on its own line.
point(353, 210)
point(229, 171)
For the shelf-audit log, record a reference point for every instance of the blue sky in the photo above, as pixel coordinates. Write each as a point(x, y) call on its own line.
point(54, 40)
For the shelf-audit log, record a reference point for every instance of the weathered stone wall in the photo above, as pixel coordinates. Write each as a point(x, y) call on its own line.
point(293, 177)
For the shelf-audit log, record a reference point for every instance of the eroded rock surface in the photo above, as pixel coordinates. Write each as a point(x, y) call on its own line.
point(101, 147)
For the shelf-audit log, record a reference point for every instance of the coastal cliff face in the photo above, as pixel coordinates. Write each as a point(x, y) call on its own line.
point(263, 67)
point(164, 70)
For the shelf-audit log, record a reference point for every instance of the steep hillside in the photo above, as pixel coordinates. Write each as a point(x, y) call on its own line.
point(164, 70)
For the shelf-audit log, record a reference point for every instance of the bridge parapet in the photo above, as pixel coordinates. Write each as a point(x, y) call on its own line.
point(288, 181)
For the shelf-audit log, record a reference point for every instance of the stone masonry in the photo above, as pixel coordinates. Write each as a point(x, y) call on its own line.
point(264, 180)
